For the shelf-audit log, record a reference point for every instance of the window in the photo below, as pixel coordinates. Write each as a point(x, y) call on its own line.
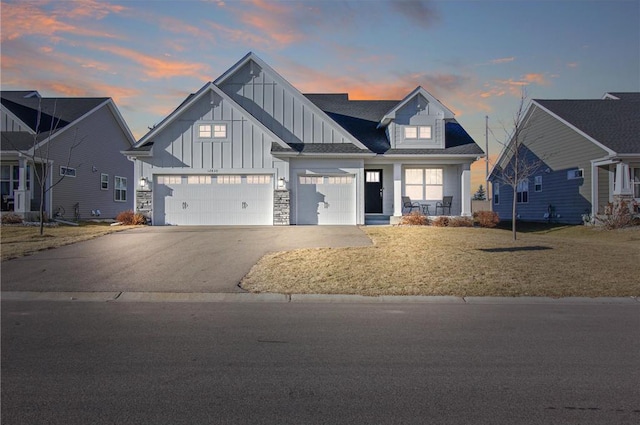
point(537, 183)
point(169, 179)
point(67, 171)
point(9, 179)
point(340, 180)
point(522, 192)
point(199, 180)
point(311, 179)
point(635, 179)
point(423, 183)
point(575, 174)
point(120, 189)
point(496, 193)
point(372, 177)
point(410, 132)
point(251, 179)
point(104, 181)
point(228, 179)
point(424, 132)
point(212, 131)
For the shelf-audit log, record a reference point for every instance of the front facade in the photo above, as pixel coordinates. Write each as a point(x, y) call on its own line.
point(587, 154)
point(250, 149)
point(80, 140)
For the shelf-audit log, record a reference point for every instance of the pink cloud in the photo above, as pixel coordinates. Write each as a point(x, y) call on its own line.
point(503, 60)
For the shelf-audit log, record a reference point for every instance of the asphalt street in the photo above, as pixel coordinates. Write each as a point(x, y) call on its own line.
point(76, 362)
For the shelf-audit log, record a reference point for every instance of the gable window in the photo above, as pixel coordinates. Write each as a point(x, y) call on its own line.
point(212, 131)
point(67, 171)
point(220, 131)
point(422, 132)
point(496, 193)
point(537, 183)
point(423, 183)
point(522, 193)
point(204, 131)
point(104, 181)
point(120, 189)
point(411, 132)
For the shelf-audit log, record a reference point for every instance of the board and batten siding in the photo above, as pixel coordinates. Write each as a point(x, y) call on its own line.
point(288, 114)
point(99, 140)
point(418, 111)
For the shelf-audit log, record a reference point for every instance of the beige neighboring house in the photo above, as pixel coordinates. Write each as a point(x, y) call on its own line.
point(98, 180)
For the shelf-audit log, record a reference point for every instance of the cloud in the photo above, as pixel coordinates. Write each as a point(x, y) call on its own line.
point(573, 65)
point(500, 87)
point(503, 60)
point(420, 12)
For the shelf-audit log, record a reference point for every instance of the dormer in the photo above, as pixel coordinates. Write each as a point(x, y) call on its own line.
point(417, 122)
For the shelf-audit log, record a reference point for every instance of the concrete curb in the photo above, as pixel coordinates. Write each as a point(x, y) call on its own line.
point(298, 298)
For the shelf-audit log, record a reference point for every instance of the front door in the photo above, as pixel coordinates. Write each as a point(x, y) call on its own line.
point(373, 192)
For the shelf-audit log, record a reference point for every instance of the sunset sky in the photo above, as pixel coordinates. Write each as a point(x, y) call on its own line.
point(474, 56)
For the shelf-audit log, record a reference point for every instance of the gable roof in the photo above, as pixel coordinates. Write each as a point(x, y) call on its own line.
point(614, 124)
point(391, 114)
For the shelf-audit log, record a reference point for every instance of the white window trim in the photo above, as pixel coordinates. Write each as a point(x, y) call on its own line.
point(496, 193)
point(418, 132)
point(424, 185)
point(521, 189)
point(537, 184)
point(116, 189)
point(575, 174)
point(212, 137)
point(64, 171)
point(101, 181)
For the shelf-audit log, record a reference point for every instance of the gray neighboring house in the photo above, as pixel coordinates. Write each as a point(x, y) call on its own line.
point(250, 149)
point(98, 180)
point(589, 153)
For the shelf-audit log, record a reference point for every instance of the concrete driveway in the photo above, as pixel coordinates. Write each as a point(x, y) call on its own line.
point(167, 259)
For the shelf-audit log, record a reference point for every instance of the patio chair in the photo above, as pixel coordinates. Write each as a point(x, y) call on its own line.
point(407, 204)
point(445, 204)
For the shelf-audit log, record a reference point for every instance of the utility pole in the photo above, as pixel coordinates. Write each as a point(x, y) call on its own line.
point(486, 152)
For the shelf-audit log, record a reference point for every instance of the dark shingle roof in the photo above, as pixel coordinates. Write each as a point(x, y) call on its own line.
point(361, 117)
point(613, 123)
point(65, 109)
point(16, 140)
point(626, 96)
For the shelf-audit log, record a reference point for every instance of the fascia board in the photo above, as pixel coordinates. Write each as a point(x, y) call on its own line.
point(576, 129)
point(299, 96)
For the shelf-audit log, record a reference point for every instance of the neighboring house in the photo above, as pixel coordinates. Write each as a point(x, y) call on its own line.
point(588, 153)
point(98, 180)
point(249, 148)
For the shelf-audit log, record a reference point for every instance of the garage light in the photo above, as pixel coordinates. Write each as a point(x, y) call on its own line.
point(143, 182)
point(281, 182)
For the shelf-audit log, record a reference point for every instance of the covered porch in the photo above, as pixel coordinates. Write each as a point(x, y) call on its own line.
point(19, 189)
point(615, 179)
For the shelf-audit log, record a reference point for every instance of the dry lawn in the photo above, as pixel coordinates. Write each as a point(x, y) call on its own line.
point(18, 241)
point(570, 261)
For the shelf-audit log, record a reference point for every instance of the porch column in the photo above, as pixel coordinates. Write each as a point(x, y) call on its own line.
point(22, 196)
point(465, 193)
point(594, 189)
point(397, 189)
point(622, 185)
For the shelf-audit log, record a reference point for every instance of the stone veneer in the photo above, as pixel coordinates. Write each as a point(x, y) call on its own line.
point(281, 207)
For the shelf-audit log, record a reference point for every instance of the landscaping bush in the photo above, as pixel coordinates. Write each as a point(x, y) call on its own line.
point(11, 218)
point(414, 219)
point(616, 215)
point(486, 218)
point(131, 218)
point(460, 222)
point(441, 221)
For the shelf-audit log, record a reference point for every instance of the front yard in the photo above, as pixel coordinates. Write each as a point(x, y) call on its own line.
point(417, 260)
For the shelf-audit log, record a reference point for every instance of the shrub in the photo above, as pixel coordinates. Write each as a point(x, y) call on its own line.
point(616, 215)
point(486, 218)
point(131, 218)
point(460, 222)
point(414, 219)
point(11, 218)
point(441, 221)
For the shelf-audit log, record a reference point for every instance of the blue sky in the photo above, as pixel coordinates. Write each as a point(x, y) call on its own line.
point(474, 56)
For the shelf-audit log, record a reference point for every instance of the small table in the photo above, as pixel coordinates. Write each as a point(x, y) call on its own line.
point(425, 208)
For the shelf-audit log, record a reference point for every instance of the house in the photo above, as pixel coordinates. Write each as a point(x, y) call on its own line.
point(81, 140)
point(587, 154)
point(250, 149)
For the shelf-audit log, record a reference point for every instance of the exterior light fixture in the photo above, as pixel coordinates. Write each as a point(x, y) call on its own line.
point(143, 182)
point(281, 183)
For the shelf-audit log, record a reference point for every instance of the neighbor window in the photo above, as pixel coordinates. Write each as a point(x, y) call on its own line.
point(537, 183)
point(496, 193)
point(104, 181)
point(120, 189)
point(423, 183)
point(522, 192)
point(635, 179)
point(575, 174)
point(67, 171)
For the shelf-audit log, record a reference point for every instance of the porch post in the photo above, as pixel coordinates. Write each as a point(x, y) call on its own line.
point(622, 185)
point(22, 196)
point(465, 193)
point(397, 189)
point(595, 174)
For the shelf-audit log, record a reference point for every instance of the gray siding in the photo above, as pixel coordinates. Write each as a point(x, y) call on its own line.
point(419, 112)
point(100, 141)
point(287, 113)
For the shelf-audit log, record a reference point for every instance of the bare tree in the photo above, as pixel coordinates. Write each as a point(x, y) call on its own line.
point(517, 167)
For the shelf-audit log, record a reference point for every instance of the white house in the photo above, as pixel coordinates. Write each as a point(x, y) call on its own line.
point(249, 148)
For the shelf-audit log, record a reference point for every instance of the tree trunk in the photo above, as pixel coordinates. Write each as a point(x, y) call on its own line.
point(513, 212)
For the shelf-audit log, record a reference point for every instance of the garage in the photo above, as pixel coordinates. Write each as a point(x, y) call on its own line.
point(326, 199)
point(213, 200)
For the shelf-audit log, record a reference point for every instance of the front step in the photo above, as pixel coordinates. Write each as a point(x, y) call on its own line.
point(376, 219)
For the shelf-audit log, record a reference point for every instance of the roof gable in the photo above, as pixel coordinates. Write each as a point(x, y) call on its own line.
point(418, 91)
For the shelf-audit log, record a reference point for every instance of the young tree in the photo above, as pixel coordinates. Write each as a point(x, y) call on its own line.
point(517, 167)
point(480, 195)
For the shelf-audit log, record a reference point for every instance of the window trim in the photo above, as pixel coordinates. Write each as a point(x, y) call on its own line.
point(64, 171)
point(212, 131)
point(418, 132)
point(117, 189)
point(103, 182)
point(424, 185)
point(537, 184)
point(577, 173)
point(496, 193)
point(522, 192)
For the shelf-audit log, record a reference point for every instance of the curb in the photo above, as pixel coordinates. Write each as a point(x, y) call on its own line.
point(247, 297)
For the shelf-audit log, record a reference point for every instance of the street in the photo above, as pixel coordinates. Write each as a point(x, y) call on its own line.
point(74, 362)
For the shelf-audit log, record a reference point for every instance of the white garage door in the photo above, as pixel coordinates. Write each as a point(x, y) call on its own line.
point(326, 200)
point(213, 200)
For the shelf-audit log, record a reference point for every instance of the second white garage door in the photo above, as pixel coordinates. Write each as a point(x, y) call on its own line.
point(213, 200)
point(326, 199)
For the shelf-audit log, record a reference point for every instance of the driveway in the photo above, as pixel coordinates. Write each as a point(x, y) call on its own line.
point(167, 259)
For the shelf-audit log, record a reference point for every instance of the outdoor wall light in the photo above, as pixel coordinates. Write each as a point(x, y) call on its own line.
point(281, 182)
point(143, 182)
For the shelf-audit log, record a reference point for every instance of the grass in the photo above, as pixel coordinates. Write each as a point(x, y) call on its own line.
point(19, 241)
point(554, 261)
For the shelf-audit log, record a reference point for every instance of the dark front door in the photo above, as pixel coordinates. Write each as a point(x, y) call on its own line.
point(373, 191)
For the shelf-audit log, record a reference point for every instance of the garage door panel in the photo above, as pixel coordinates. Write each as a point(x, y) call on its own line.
point(326, 200)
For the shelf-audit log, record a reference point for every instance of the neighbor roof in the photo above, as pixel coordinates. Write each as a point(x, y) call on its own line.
point(613, 123)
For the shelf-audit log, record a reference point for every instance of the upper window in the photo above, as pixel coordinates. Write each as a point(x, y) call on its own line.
point(104, 181)
point(67, 171)
point(523, 192)
point(496, 193)
point(537, 182)
point(212, 131)
point(411, 132)
point(422, 132)
point(424, 183)
point(120, 189)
